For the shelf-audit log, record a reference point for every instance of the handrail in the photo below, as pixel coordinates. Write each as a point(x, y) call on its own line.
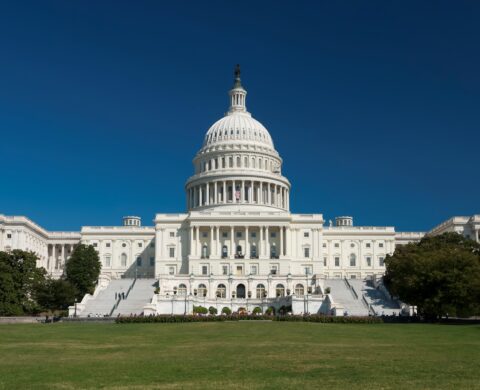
point(350, 287)
point(130, 288)
point(115, 305)
point(368, 305)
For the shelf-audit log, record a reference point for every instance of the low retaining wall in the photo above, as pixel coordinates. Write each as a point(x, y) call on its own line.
point(21, 320)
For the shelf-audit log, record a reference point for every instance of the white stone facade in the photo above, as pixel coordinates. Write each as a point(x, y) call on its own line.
point(238, 239)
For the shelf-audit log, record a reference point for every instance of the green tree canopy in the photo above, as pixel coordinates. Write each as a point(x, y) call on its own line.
point(83, 269)
point(440, 275)
point(20, 280)
point(56, 294)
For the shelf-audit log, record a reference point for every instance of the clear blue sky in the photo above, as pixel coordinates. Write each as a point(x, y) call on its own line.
point(374, 106)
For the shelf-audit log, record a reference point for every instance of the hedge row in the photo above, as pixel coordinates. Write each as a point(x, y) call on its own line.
point(223, 318)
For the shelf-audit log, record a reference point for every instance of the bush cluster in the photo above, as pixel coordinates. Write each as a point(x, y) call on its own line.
point(223, 318)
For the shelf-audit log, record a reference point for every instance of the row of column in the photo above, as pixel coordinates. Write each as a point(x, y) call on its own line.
point(238, 191)
point(58, 255)
point(263, 243)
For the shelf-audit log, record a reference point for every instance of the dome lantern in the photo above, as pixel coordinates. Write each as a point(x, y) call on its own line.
point(237, 94)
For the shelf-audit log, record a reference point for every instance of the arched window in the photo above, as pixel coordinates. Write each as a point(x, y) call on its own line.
point(202, 290)
point(239, 162)
point(261, 291)
point(221, 291)
point(245, 162)
point(299, 290)
point(224, 252)
point(353, 260)
point(182, 289)
point(280, 290)
point(123, 259)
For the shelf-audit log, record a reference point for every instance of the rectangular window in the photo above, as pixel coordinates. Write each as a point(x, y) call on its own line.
point(324, 244)
point(306, 252)
point(380, 245)
point(152, 261)
point(273, 269)
point(171, 252)
point(171, 270)
point(225, 269)
point(225, 235)
point(253, 269)
point(306, 234)
point(107, 245)
point(367, 245)
point(381, 261)
point(108, 260)
point(139, 261)
point(239, 270)
point(337, 245)
point(152, 245)
point(324, 261)
point(253, 235)
point(337, 261)
point(204, 269)
point(172, 234)
point(140, 244)
point(307, 270)
point(9, 235)
point(273, 235)
point(95, 244)
point(205, 234)
point(239, 234)
point(369, 261)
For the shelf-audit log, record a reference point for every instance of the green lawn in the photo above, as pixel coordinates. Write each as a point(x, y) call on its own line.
point(241, 355)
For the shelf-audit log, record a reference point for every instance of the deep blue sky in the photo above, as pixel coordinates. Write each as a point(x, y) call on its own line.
point(374, 106)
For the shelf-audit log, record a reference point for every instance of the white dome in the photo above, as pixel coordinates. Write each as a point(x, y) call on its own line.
point(238, 126)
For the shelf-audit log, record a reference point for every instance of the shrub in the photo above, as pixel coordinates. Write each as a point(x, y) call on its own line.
point(226, 310)
point(212, 310)
point(270, 311)
point(200, 310)
point(257, 310)
point(327, 290)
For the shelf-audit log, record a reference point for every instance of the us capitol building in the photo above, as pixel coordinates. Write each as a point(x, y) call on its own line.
point(237, 244)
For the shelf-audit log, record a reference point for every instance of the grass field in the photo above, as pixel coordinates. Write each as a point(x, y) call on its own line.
point(241, 355)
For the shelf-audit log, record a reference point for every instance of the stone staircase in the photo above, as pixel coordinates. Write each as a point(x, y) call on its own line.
point(139, 296)
point(343, 295)
point(103, 303)
point(380, 303)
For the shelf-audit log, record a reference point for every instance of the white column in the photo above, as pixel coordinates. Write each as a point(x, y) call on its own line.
point(207, 194)
point(215, 194)
point(269, 194)
point(267, 243)
point(242, 195)
point(62, 256)
point(281, 242)
point(200, 193)
point(287, 241)
point(191, 243)
point(250, 193)
point(247, 244)
point(199, 243)
point(224, 197)
point(210, 250)
point(232, 249)
point(260, 243)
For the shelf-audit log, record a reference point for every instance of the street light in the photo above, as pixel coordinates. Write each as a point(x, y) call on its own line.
point(75, 314)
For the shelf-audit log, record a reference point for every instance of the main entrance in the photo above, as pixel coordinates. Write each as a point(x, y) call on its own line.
point(241, 291)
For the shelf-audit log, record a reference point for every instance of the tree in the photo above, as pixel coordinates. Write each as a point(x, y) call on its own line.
point(56, 294)
point(226, 310)
point(212, 310)
point(440, 275)
point(257, 310)
point(83, 269)
point(20, 280)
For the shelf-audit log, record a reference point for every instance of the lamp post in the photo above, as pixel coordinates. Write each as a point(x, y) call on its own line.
point(75, 314)
point(306, 292)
